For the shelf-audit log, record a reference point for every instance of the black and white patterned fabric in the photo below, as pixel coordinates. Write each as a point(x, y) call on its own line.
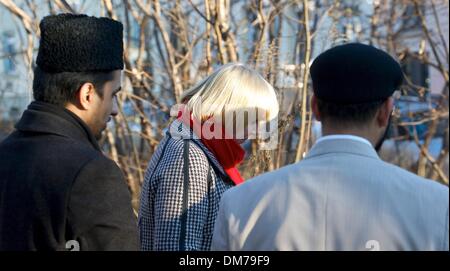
point(181, 193)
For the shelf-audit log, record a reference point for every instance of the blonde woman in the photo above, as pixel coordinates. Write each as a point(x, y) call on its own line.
point(196, 161)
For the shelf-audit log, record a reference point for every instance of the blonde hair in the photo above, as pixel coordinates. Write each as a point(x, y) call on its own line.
point(232, 88)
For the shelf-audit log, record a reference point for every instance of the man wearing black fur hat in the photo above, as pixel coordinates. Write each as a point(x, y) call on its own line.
point(341, 196)
point(57, 189)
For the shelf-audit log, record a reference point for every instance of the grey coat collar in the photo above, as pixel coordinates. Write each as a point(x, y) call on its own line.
point(179, 130)
point(342, 146)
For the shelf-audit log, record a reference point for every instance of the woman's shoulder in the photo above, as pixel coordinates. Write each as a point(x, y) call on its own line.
point(180, 149)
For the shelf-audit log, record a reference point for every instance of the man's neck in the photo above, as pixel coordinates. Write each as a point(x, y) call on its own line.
point(72, 108)
point(364, 133)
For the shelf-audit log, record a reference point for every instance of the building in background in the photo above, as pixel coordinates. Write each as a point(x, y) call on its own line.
point(15, 80)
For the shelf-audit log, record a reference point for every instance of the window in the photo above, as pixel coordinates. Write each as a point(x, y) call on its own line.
point(411, 19)
point(416, 71)
point(8, 52)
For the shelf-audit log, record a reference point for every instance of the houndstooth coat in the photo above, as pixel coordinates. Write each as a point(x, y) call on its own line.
point(181, 193)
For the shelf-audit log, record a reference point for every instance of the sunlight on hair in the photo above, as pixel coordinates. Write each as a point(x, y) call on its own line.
point(232, 89)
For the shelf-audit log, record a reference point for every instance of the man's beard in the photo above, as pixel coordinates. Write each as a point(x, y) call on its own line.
point(99, 136)
point(384, 137)
point(101, 130)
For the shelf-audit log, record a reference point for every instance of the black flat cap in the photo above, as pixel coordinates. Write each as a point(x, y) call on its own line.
point(355, 73)
point(79, 43)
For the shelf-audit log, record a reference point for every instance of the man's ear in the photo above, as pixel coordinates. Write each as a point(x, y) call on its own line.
point(315, 107)
point(384, 113)
point(85, 96)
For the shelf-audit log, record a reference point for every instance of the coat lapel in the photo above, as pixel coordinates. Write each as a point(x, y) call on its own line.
point(179, 130)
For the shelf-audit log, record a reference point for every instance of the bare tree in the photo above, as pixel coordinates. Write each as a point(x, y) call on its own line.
point(170, 45)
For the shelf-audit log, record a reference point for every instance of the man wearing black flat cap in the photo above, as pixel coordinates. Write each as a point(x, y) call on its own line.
point(57, 190)
point(341, 196)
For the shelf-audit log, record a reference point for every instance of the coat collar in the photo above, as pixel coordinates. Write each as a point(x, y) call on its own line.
point(43, 117)
point(342, 145)
point(179, 130)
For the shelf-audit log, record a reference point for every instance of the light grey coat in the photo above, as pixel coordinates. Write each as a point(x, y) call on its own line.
point(342, 196)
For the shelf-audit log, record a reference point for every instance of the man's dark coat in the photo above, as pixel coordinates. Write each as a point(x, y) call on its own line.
point(57, 186)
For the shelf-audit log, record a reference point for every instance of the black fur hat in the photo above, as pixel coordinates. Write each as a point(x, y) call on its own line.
point(79, 43)
point(355, 73)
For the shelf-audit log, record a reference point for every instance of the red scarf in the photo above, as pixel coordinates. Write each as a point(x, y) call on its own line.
point(227, 151)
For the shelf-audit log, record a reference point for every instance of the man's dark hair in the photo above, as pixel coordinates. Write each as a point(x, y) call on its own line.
point(348, 114)
point(60, 88)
